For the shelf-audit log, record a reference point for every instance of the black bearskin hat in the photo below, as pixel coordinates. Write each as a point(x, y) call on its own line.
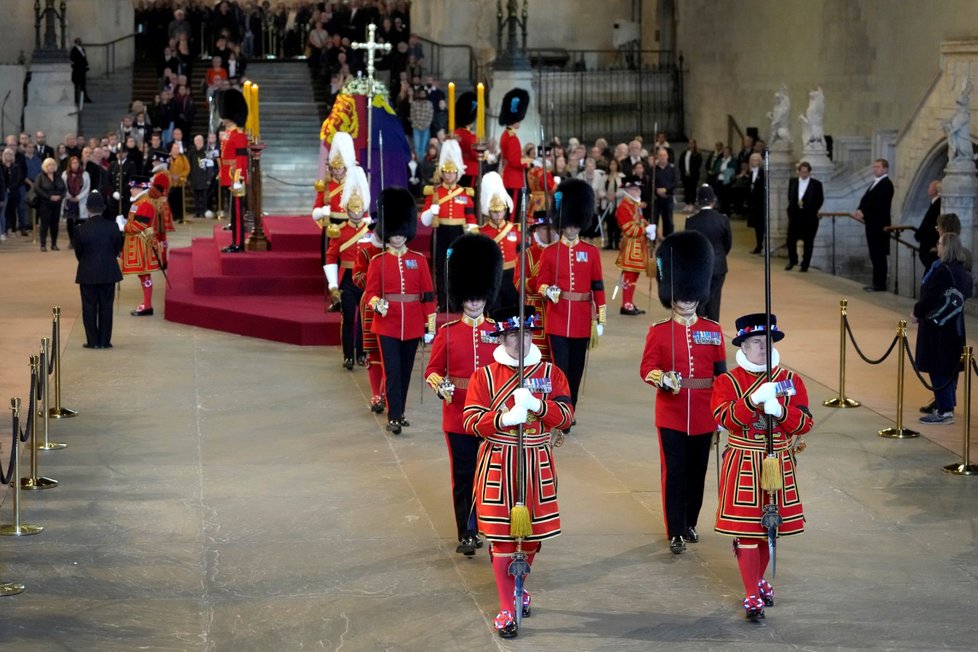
point(515, 104)
point(398, 213)
point(475, 269)
point(465, 109)
point(684, 265)
point(573, 204)
point(231, 106)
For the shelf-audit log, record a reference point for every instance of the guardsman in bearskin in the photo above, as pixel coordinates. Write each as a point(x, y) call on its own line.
point(461, 346)
point(741, 400)
point(495, 407)
point(465, 113)
point(341, 256)
point(496, 206)
point(448, 207)
point(633, 257)
point(327, 212)
point(144, 236)
point(542, 237)
point(682, 356)
point(400, 292)
point(513, 163)
point(367, 250)
point(571, 279)
point(541, 181)
point(234, 162)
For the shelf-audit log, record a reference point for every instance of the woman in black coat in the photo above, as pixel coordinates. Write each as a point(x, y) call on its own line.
point(50, 190)
point(940, 330)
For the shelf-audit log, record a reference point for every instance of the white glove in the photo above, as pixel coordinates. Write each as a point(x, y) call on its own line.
point(427, 217)
point(600, 329)
point(331, 271)
point(515, 416)
point(428, 338)
point(557, 180)
point(650, 232)
point(381, 308)
point(434, 208)
point(763, 393)
point(774, 408)
point(317, 213)
point(553, 293)
point(121, 221)
point(237, 186)
point(671, 382)
point(367, 220)
point(115, 195)
point(525, 399)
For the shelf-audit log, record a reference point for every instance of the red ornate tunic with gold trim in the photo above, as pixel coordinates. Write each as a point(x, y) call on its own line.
point(365, 252)
point(634, 253)
point(403, 279)
point(574, 267)
point(491, 393)
point(508, 239)
point(455, 206)
point(540, 196)
point(460, 347)
point(143, 234)
point(742, 500)
point(533, 254)
point(470, 155)
point(234, 155)
point(342, 249)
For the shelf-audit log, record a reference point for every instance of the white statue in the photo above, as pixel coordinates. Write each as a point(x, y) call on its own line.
point(812, 129)
point(780, 131)
point(958, 128)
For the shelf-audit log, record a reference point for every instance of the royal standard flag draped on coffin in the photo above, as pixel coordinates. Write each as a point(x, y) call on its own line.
point(349, 114)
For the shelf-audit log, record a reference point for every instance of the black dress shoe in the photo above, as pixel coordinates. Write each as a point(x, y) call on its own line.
point(106, 346)
point(91, 346)
point(631, 311)
point(141, 312)
point(870, 288)
point(43, 248)
point(394, 427)
point(789, 267)
point(677, 545)
point(692, 535)
point(466, 546)
point(756, 250)
point(404, 423)
point(362, 360)
point(803, 268)
point(55, 248)
point(348, 364)
point(233, 249)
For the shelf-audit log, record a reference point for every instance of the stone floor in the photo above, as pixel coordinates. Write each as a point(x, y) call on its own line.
point(225, 493)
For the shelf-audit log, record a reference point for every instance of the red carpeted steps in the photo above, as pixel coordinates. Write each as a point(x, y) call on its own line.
point(275, 295)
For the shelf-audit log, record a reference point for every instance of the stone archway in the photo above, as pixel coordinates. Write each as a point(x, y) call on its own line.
point(916, 200)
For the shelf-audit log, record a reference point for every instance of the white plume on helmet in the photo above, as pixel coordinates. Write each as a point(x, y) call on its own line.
point(341, 147)
point(356, 181)
point(451, 157)
point(493, 188)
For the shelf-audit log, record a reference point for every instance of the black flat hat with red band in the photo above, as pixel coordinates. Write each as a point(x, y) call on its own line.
point(755, 324)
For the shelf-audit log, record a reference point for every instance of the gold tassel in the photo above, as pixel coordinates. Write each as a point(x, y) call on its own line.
point(771, 473)
point(519, 522)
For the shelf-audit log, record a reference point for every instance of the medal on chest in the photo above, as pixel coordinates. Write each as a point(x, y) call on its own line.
point(410, 263)
point(707, 337)
point(538, 385)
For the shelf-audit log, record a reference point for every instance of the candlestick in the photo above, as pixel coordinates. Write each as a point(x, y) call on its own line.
point(451, 108)
point(480, 111)
point(255, 124)
point(247, 97)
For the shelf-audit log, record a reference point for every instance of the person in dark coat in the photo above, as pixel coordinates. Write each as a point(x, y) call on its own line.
point(79, 71)
point(716, 227)
point(756, 202)
point(940, 329)
point(874, 212)
point(50, 190)
point(926, 233)
point(805, 199)
point(98, 243)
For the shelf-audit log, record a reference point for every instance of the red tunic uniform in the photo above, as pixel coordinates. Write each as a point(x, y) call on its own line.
point(508, 239)
point(490, 393)
point(343, 249)
point(511, 152)
point(143, 234)
point(404, 281)
point(533, 254)
point(742, 501)
point(455, 207)
point(460, 347)
point(634, 253)
point(234, 156)
point(696, 352)
point(365, 252)
point(576, 269)
point(470, 155)
point(542, 186)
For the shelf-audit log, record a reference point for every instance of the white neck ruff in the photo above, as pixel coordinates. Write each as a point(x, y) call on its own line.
point(747, 365)
point(532, 357)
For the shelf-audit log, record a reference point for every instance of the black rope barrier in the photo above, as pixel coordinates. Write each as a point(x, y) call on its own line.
point(867, 360)
point(54, 342)
point(913, 365)
point(18, 435)
point(6, 478)
point(284, 182)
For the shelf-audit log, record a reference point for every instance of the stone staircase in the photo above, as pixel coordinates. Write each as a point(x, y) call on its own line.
point(111, 96)
point(290, 121)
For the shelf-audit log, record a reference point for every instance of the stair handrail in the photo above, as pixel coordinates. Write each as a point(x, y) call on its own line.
point(732, 126)
point(110, 49)
point(435, 64)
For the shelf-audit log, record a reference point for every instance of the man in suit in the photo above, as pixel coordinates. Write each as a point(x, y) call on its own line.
point(689, 172)
point(98, 243)
point(756, 201)
point(79, 71)
point(874, 213)
point(804, 201)
point(926, 233)
point(43, 150)
point(716, 227)
point(634, 156)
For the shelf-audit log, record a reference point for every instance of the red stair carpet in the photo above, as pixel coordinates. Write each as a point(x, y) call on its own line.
point(274, 295)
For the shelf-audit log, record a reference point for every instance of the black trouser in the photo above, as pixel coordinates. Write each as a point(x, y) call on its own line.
point(759, 233)
point(175, 200)
point(398, 362)
point(350, 302)
point(711, 307)
point(49, 219)
point(879, 249)
point(570, 356)
point(70, 224)
point(662, 209)
point(441, 241)
point(798, 230)
point(96, 303)
point(463, 450)
point(684, 460)
point(201, 200)
point(612, 231)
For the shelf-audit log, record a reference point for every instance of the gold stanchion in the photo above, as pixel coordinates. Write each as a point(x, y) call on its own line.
point(56, 411)
point(964, 468)
point(45, 412)
point(35, 481)
point(899, 432)
point(841, 401)
point(18, 529)
point(257, 241)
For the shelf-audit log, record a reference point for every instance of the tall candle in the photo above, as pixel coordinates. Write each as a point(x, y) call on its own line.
point(251, 112)
point(255, 124)
point(480, 111)
point(451, 108)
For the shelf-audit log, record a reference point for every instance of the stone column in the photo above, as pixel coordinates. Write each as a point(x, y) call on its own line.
point(958, 193)
point(781, 168)
point(51, 100)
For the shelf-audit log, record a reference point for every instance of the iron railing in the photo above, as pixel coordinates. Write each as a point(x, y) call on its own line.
point(446, 61)
point(110, 50)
